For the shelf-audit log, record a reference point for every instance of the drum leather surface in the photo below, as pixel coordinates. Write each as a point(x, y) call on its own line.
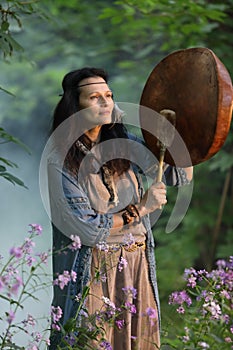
point(196, 85)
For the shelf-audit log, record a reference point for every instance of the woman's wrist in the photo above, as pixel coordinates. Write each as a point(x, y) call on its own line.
point(142, 210)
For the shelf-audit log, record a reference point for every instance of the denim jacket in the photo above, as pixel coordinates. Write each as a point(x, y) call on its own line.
point(92, 227)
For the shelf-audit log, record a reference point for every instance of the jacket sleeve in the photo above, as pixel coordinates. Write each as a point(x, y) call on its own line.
point(71, 211)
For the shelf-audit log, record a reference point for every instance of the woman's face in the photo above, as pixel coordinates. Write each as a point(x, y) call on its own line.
point(97, 100)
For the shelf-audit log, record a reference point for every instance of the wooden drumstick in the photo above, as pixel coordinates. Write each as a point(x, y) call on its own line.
point(166, 136)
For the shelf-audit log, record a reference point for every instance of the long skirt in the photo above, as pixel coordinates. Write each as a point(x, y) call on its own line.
point(122, 289)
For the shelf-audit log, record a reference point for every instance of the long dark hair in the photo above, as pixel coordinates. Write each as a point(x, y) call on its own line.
point(69, 105)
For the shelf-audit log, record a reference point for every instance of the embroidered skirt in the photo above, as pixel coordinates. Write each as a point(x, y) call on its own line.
point(123, 293)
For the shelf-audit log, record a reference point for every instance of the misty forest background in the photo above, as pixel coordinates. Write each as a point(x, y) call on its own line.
point(42, 41)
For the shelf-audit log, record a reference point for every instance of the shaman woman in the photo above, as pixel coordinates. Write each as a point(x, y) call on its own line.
point(109, 210)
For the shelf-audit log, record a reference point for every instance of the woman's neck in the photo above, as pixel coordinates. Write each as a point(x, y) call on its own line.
point(94, 134)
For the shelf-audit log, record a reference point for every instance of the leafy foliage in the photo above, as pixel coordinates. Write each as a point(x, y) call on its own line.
point(4, 163)
point(11, 21)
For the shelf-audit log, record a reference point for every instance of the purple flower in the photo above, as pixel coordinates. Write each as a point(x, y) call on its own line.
point(192, 281)
point(225, 294)
point(28, 246)
point(228, 340)
point(56, 327)
point(201, 274)
point(151, 312)
point(213, 308)
point(30, 321)
point(180, 310)
point(105, 345)
point(103, 246)
point(130, 291)
point(43, 257)
point(56, 313)
point(128, 239)
point(73, 276)
point(226, 318)
point(70, 339)
point(108, 302)
point(188, 272)
point(30, 260)
point(131, 307)
point(62, 280)
point(203, 345)
point(76, 243)
point(15, 287)
point(180, 298)
point(103, 277)
point(78, 297)
point(120, 324)
point(221, 264)
point(16, 252)
point(122, 264)
point(35, 228)
point(37, 337)
point(185, 338)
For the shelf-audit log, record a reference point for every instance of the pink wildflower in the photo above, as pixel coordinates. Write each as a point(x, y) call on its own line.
point(28, 246)
point(35, 228)
point(122, 264)
point(228, 340)
point(15, 287)
point(43, 257)
point(180, 310)
point(62, 280)
point(73, 276)
point(76, 242)
point(30, 321)
point(30, 260)
point(151, 312)
point(103, 246)
point(56, 313)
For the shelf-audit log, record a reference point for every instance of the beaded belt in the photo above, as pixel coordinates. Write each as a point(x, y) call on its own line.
point(129, 248)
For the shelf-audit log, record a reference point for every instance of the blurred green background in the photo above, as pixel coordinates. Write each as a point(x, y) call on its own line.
point(41, 41)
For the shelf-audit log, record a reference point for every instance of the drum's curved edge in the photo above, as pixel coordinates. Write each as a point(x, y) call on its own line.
point(225, 106)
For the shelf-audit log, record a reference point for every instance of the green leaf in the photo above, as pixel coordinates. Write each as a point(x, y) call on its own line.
point(14, 44)
point(9, 138)
point(5, 25)
point(7, 91)
point(8, 162)
point(2, 168)
point(70, 325)
point(13, 179)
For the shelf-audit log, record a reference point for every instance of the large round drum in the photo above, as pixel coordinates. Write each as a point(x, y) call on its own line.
point(196, 85)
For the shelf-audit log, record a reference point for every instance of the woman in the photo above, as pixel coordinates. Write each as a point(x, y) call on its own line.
point(109, 211)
